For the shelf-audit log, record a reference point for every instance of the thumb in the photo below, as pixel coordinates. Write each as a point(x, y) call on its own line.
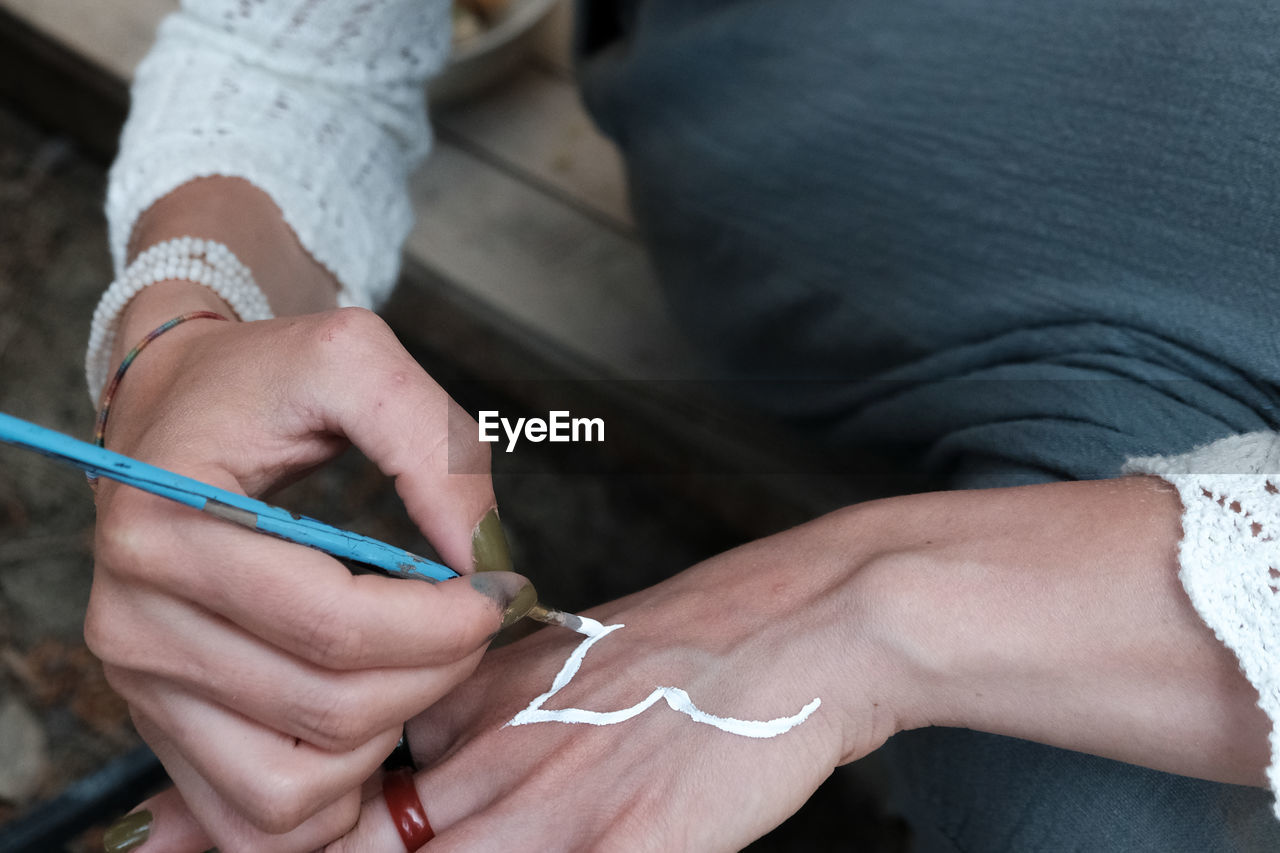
point(373, 392)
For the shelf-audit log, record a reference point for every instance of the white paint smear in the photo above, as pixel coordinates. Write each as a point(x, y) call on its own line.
point(590, 627)
point(676, 698)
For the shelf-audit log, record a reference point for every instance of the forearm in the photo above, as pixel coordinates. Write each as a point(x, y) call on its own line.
point(1054, 613)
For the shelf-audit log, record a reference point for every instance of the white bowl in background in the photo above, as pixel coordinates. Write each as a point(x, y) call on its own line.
point(485, 58)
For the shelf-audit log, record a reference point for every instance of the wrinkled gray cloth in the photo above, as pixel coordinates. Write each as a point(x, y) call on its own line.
point(911, 198)
point(1009, 240)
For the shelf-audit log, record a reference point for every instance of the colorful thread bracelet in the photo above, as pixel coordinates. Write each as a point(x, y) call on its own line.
point(100, 427)
point(192, 259)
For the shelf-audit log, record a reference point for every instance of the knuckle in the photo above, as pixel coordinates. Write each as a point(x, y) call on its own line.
point(344, 329)
point(277, 803)
point(335, 720)
point(125, 544)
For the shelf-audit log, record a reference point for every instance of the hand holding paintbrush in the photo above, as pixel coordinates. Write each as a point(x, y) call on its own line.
point(270, 680)
point(264, 518)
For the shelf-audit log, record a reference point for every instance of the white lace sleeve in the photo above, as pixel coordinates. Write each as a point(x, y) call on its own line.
point(1230, 554)
point(319, 103)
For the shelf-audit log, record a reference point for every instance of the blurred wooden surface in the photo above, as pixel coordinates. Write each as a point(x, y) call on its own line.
point(521, 207)
point(111, 33)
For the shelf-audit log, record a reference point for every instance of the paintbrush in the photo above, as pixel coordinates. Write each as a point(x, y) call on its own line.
point(254, 514)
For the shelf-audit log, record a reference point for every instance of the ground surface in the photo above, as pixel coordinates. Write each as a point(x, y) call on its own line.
point(590, 538)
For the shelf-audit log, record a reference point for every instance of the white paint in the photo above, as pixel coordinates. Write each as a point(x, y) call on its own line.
point(676, 698)
point(590, 627)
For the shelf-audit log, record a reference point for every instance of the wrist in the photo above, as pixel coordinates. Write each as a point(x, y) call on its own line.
point(878, 682)
point(148, 321)
point(186, 259)
point(242, 217)
point(158, 304)
point(806, 606)
point(841, 571)
point(949, 585)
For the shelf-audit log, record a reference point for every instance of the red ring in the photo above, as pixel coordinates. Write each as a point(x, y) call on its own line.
point(406, 809)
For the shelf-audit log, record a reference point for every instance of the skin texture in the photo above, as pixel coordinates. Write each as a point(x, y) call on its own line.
point(272, 683)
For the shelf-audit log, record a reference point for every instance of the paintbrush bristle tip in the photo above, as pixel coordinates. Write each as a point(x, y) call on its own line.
point(551, 616)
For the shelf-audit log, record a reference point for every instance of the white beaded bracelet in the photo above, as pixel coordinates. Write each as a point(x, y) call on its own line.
point(205, 262)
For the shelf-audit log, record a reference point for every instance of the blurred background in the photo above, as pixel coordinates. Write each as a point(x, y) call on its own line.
point(520, 190)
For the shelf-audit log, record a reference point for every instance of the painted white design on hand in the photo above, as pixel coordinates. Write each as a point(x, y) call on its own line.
point(590, 627)
point(676, 698)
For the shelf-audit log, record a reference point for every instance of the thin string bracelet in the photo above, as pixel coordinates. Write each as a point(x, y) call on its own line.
point(205, 262)
point(100, 428)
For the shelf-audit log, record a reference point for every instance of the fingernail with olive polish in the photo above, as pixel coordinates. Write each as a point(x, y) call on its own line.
point(128, 833)
point(520, 606)
point(514, 595)
point(489, 550)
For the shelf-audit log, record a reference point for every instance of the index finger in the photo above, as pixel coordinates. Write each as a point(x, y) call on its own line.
point(303, 601)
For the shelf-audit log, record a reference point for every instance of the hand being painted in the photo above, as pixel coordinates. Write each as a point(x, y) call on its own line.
point(676, 698)
point(269, 680)
point(774, 684)
point(1048, 613)
point(731, 633)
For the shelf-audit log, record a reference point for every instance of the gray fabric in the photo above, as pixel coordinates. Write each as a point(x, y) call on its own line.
point(1076, 200)
point(981, 793)
point(1013, 240)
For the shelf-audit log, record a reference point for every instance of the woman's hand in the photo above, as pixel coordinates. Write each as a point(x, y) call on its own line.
point(270, 681)
point(756, 633)
point(1049, 612)
point(1052, 613)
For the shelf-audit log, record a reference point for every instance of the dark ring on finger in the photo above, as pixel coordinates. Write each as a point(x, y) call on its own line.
point(401, 756)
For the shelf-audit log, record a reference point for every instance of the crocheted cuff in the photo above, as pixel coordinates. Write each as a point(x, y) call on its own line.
point(319, 106)
point(364, 260)
point(1230, 554)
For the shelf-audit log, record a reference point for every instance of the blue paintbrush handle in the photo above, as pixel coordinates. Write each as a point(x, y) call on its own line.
point(254, 514)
